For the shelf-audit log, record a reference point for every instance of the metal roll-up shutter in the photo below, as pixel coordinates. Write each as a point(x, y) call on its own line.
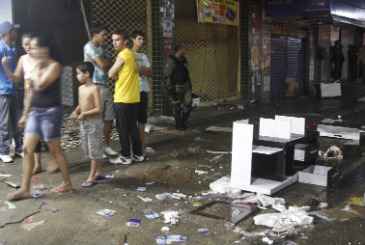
point(278, 66)
point(295, 53)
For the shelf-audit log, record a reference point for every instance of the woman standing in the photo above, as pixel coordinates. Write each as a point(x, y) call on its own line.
point(22, 73)
point(44, 120)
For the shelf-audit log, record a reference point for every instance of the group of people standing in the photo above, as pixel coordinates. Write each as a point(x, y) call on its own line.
point(30, 97)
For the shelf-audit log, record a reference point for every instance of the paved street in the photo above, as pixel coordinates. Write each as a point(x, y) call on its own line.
point(72, 219)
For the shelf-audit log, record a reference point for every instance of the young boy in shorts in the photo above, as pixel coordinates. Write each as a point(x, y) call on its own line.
point(88, 112)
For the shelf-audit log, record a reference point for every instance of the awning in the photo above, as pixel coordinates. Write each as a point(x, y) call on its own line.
point(344, 11)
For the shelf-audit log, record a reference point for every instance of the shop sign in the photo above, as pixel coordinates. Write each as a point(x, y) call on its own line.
point(224, 12)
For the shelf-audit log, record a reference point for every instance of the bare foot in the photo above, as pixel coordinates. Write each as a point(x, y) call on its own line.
point(37, 170)
point(19, 195)
point(63, 188)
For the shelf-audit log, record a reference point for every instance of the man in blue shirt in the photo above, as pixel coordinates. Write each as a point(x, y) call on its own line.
point(8, 103)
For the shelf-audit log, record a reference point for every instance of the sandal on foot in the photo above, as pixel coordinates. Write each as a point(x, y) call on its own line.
point(88, 184)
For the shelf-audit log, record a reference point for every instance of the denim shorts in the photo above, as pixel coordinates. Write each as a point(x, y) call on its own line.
point(45, 122)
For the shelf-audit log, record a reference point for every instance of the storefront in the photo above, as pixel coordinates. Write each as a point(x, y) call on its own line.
point(212, 47)
point(303, 37)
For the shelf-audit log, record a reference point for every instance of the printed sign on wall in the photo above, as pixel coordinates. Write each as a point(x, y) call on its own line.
point(224, 12)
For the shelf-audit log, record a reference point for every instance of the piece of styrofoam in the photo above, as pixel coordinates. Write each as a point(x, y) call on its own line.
point(299, 155)
point(266, 150)
point(274, 128)
point(282, 129)
point(297, 124)
point(330, 90)
point(315, 175)
point(241, 165)
point(269, 187)
point(267, 127)
point(339, 132)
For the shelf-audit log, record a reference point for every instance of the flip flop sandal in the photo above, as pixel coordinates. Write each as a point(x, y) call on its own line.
point(103, 177)
point(88, 184)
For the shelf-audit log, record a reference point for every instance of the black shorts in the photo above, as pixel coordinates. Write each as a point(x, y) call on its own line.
point(143, 108)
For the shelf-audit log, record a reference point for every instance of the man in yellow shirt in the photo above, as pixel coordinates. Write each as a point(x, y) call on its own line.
point(126, 98)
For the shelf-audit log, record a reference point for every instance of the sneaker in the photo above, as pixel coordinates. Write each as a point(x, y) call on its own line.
point(121, 160)
point(110, 152)
point(6, 158)
point(137, 158)
point(126, 160)
point(115, 160)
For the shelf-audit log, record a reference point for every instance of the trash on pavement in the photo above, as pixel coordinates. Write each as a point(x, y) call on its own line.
point(145, 199)
point(321, 216)
point(203, 231)
point(5, 175)
point(106, 213)
point(37, 194)
point(264, 202)
point(357, 201)
point(10, 205)
point(332, 153)
point(149, 150)
point(219, 152)
point(12, 184)
point(134, 222)
point(141, 189)
point(285, 221)
point(323, 205)
point(166, 195)
point(150, 214)
point(170, 239)
point(30, 226)
point(171, 217)
point(165, 229)
point(222, 186)
point(253, 234)
point(267, 240)
point(200, 172)
point(40, 187)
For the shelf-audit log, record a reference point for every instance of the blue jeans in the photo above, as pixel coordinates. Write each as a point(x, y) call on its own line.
point(9, 117)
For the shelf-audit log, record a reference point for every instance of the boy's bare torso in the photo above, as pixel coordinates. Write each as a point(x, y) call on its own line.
point(87, 95)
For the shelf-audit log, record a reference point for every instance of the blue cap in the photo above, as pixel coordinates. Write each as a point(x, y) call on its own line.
point(6, 26)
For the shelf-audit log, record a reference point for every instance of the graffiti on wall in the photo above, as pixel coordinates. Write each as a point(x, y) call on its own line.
point(224, 12)
point(168, 25)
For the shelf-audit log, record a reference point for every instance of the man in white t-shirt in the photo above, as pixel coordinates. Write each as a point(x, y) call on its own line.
point(145, 73)
point(95, 53)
